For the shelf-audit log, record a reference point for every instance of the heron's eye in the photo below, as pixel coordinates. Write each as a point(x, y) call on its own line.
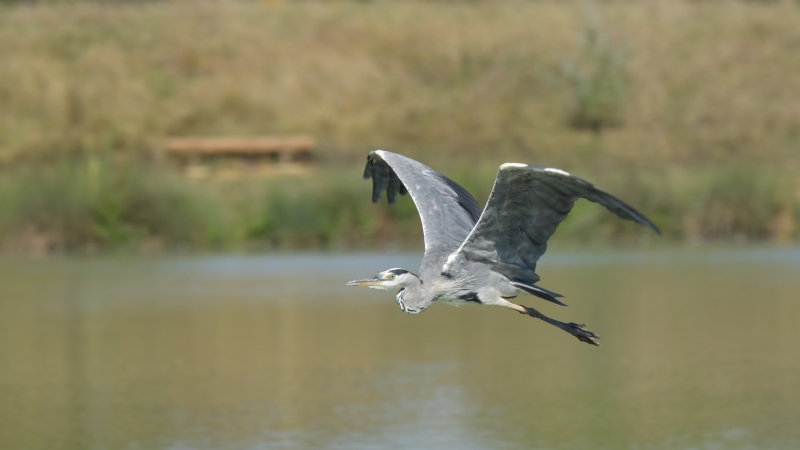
point(391, 276)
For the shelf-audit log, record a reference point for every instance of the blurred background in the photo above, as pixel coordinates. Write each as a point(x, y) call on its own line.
point(181, 203)
point(690, 109)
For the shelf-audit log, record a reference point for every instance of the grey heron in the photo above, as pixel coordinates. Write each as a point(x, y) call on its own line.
point(483, 257)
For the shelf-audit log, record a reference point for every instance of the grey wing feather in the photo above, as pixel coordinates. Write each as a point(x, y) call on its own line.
point(524, 209)
point(447, 211)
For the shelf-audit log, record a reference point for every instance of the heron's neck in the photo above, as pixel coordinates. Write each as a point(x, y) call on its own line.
point(414, 285)
point(411, 297)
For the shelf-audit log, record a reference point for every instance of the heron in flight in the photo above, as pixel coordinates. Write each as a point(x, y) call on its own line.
point(484, 257)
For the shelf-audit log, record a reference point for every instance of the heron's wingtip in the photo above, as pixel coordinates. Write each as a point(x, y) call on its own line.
point(653, 227)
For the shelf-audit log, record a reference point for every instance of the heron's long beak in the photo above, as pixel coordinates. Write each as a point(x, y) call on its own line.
point(370, 281)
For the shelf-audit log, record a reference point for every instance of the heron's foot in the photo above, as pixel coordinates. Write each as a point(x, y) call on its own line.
point(576, 329)
point(579, 331)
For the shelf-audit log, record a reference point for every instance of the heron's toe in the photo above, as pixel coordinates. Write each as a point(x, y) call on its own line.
point(579, 331)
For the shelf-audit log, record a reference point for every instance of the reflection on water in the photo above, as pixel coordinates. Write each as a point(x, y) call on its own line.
point(700, 350)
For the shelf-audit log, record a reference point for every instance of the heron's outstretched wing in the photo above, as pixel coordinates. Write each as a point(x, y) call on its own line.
point(447, 210)
point(526, 205)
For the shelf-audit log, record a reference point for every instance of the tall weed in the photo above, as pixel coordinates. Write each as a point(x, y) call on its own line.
point(598, 81)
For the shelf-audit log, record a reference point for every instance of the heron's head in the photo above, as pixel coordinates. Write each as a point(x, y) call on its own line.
point(388, 279)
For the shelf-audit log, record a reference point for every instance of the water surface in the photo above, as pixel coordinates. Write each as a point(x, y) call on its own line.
point(699, 351)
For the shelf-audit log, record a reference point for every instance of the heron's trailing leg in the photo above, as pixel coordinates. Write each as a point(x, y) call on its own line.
point(575, 329)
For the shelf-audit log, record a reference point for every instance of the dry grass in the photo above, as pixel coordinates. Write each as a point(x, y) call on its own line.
point(708, 84)
point(707, 80)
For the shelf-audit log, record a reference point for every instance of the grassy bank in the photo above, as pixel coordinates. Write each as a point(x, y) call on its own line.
point(698, 113)
point(98, 206)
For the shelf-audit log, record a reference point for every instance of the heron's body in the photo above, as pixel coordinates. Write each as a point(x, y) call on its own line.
point(483, 257)
point(470, 288)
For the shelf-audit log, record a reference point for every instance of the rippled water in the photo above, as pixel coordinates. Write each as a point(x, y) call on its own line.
point(700, 350)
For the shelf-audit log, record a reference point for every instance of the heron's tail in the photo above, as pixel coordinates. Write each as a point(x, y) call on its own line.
point(542, 293)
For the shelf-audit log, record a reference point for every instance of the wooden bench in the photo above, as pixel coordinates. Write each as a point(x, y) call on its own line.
point(290, 148)
point(232, 157)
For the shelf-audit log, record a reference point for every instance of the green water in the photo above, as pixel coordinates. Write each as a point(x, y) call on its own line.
point(700, 350)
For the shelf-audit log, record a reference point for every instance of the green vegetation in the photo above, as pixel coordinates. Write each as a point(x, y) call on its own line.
point(696, 103)
point(97, 205)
